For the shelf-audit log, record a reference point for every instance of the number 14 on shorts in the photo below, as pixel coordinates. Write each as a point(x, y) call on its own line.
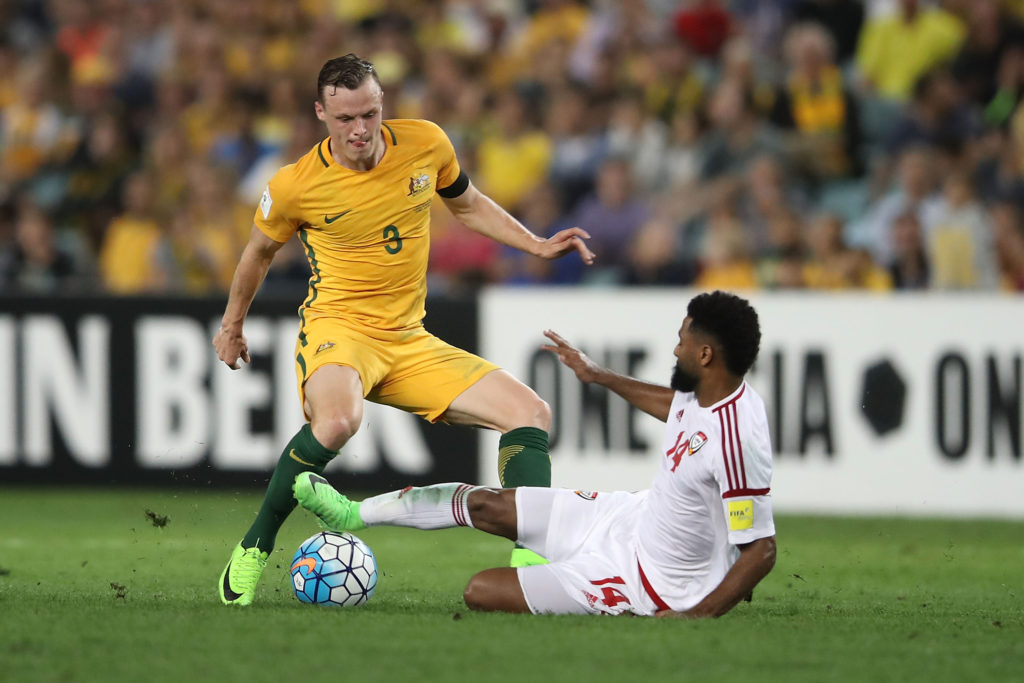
point(612, 595)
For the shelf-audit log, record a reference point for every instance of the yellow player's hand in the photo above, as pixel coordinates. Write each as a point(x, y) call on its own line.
point(565, 241)
point(231, 345)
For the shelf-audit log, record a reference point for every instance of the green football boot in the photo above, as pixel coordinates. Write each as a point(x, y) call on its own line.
point(238, 581)
point(524, 557)
point(335, 511)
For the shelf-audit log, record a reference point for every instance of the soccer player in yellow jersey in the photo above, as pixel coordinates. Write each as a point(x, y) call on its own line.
point(360, 204)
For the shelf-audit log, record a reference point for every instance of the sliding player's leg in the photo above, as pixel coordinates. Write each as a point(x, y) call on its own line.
point(496, 590)
point(524, 515)
point(536, 588)
point(440, 506)
point(588, 537)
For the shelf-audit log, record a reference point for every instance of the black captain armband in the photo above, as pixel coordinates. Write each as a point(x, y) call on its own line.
point(460, 185)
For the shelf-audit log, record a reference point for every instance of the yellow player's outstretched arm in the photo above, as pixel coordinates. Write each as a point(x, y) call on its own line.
point(483, 215)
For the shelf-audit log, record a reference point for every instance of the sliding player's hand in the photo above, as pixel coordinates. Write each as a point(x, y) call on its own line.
point(565, 241)
point(586, 370)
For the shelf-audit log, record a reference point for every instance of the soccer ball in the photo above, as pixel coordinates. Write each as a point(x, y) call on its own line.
point(334, 568)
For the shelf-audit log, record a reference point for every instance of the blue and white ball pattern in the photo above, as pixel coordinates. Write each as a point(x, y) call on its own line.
point(334, 568)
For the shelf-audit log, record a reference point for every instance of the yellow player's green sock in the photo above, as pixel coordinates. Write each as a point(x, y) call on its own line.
point(302, 454)
point(523, 458)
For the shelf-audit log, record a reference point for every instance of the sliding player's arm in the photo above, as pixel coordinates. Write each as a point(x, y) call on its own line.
point(653, 399)
point(755, 561)
point(230, 343)
point(482, 214)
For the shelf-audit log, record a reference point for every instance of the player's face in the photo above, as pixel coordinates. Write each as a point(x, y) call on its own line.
point(686, 374)
point(353, 119)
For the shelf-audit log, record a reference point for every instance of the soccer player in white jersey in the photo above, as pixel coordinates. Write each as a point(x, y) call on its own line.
point(693, 545)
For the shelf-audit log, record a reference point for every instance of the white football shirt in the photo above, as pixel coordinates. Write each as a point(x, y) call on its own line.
point(710, 494)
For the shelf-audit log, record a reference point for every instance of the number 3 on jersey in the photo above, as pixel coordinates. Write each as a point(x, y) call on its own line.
point(394, 244)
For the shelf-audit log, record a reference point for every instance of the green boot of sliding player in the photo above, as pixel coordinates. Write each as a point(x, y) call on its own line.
point(335, 511)
point(524, 557)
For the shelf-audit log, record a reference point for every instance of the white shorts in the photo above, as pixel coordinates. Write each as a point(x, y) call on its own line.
point(589, 539)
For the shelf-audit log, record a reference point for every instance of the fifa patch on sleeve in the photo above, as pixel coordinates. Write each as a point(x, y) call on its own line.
point(266, 202)
point(741, 515)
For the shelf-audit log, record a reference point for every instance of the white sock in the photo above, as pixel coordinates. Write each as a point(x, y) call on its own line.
point(440, 506)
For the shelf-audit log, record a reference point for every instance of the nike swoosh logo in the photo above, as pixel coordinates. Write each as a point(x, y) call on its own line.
point(293, 456)
point(330, 219)
point(308, 562)
point(228, 593)
point(315, 479)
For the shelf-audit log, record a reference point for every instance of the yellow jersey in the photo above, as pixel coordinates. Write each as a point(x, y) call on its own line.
point(366, 233)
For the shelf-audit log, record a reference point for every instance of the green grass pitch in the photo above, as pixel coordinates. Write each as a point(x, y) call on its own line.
point(93, 589)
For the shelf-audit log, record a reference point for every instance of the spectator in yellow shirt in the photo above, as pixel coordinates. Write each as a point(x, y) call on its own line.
point(726, 262)
point(896, 49)
point(130, 241)
point(833, 265)
point(515, 159)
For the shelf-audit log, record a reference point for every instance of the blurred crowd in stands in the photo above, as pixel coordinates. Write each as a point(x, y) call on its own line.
point(778, 144)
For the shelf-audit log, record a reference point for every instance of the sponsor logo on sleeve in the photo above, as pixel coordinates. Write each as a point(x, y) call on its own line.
point(266, 202)
point(741, 515)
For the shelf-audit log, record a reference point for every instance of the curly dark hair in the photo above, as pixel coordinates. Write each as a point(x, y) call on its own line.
point(347, 72)
point(732, 322)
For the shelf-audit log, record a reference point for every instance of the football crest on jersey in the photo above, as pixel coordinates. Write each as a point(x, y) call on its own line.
point(419, 183)
point(697, 441)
